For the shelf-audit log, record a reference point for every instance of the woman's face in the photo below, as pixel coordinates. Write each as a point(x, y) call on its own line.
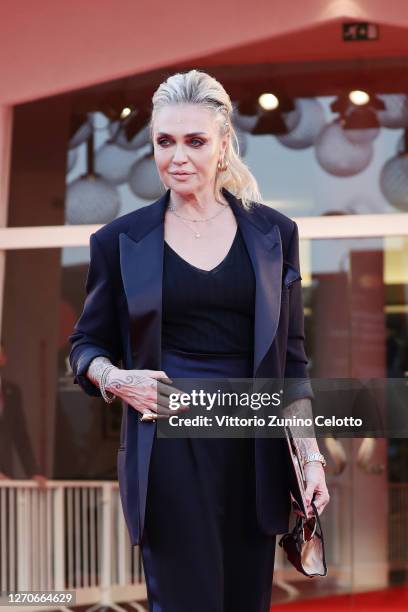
point(187, 147)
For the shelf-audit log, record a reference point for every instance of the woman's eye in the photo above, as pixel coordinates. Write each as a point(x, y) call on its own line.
point(195, 142)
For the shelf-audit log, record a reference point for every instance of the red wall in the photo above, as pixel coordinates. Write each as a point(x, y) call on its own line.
point(49, 47)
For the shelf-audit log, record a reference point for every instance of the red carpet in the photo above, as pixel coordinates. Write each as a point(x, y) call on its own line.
point(394, 599)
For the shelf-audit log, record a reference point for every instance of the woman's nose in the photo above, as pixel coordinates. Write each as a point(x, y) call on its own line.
point(179, 154)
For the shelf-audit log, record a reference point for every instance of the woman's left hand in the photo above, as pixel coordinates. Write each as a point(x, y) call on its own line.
point(316, 487)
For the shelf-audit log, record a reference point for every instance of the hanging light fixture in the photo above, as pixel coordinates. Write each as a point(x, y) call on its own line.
point(90, 198)
point(361, 125)
point(144, 180)
point(337, 155)
point(394, 178)
point(357, 109)
point(308, 127)
point(395, 112)
point(113, 163)
point(266, 113)
point(358, 118)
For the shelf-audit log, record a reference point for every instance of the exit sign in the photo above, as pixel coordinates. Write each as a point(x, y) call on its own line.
point(354, 31)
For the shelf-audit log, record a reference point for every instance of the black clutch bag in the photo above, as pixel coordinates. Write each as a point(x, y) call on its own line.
point(304, 545)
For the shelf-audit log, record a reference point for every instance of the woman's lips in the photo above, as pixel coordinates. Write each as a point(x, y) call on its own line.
point(183, 175)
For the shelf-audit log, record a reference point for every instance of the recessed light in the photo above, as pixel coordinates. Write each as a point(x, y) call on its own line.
point(268, 101)
point(359, 97)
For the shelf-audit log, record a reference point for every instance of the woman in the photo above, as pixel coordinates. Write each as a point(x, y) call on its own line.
point(203, 283)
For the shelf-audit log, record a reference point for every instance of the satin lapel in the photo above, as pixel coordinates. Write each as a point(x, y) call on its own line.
point(142, 273)
point(265, 250)
point(141, 261)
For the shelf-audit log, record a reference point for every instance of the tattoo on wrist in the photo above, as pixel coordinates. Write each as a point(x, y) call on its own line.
point(304, 435)
point(307, 445)
point(128, 382)
point(300, 409)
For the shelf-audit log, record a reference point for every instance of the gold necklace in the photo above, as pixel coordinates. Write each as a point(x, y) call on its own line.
point(172, 208)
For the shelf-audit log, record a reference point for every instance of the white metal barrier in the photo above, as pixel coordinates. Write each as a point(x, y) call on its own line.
point(68, 536)
point(72, 536)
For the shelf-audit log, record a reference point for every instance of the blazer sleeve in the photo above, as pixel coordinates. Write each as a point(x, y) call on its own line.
point(296, 359)
point(97, 331)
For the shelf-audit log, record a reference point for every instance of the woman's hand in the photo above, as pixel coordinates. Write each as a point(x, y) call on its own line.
point(316, 488)
point(147, 391)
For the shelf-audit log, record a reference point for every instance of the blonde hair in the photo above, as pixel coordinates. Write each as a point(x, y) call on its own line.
point(196, 87)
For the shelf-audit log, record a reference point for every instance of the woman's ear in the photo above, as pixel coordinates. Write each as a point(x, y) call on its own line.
point(224, 144)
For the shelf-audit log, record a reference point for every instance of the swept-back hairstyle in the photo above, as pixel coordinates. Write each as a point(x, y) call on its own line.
point(196, 87)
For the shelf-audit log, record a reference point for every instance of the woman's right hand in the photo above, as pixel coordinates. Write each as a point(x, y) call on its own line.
point(147, 391)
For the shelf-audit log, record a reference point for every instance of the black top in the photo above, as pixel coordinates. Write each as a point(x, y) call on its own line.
point(209, 311)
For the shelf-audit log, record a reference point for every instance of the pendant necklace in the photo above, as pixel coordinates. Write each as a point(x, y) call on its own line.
point(172, 208)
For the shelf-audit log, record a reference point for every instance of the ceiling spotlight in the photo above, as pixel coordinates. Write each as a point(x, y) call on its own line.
point(358, 109)
point(358, 97)
point(125, 112)
point(268, 112)
point(268, 101)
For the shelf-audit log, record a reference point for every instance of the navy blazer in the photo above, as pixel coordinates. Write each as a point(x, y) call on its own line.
point(121, 319)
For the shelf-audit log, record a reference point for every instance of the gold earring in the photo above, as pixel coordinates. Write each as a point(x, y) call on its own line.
point(221, 166)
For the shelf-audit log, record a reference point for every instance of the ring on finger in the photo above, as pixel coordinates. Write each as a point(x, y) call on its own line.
point(148, 416)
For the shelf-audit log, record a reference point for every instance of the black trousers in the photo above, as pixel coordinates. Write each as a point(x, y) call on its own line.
point(202, 548)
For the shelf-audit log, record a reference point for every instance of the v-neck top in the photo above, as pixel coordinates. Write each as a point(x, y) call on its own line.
point(209, 311)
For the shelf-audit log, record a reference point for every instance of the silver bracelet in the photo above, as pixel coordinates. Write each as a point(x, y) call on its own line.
point(315, 456)
point(102, 384)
